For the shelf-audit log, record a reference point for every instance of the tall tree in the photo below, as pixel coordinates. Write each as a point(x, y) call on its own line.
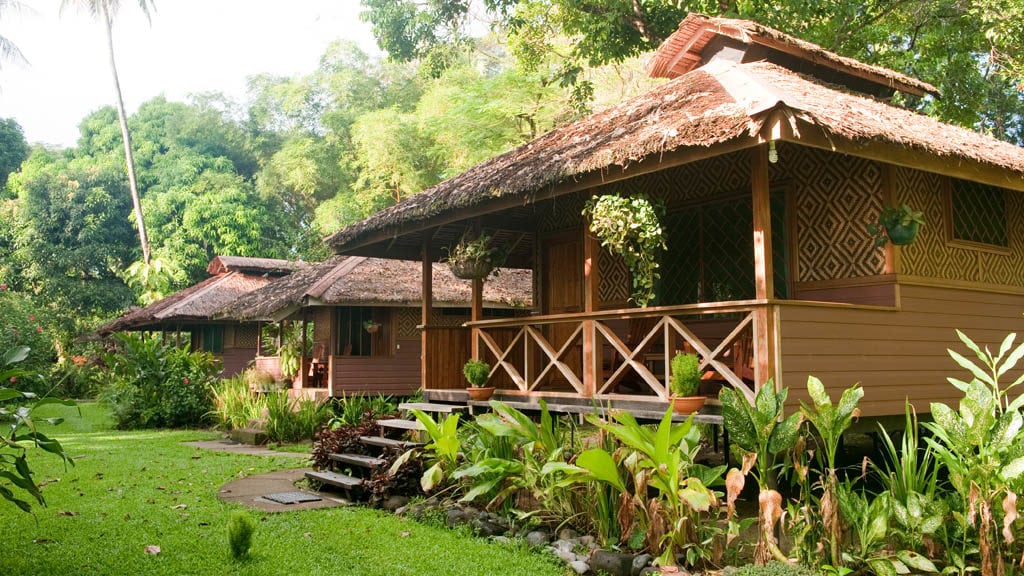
point(13, 150)
point(106, 11)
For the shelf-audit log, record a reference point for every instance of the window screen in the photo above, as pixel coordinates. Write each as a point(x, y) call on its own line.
point(979, 213)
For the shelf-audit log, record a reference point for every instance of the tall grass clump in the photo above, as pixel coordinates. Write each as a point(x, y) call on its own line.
point(240, 531)
point(234, 405)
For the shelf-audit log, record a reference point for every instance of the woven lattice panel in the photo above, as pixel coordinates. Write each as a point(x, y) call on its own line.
point(246, 336)
point(681, 263)
point(836, 196)
point(979, 213)
point(689, 182)
point(562, 213)
point(1008, 269)
point(615, 280)
point(929, 255)
point(448, 319)
point(408, 319)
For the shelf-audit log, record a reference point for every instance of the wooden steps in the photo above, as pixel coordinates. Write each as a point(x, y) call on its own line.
point(358, 460)
point(399, 424)
point(389, 443)
point(434, 407)
point(335, 479)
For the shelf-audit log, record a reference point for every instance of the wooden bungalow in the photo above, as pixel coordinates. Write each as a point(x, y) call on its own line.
point(189, 311)
point(769, 155)
point(365, 316)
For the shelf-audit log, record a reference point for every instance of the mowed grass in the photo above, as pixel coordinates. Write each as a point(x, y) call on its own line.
point(129, 490)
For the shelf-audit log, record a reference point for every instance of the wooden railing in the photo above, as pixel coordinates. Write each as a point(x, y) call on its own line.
point(546, 354)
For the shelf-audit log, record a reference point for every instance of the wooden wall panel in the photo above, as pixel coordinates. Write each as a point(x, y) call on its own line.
point(236, 360)
point(869, 295)
point(894, 354)
point(445, 351)
point(395, 375)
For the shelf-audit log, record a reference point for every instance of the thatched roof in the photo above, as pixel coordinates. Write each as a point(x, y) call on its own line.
point(235, 277)
point(352, 280)
point(683, 52)
point(710, 105)
point(273, 266)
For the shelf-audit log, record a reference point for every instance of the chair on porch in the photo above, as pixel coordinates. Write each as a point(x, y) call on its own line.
point(317, 366)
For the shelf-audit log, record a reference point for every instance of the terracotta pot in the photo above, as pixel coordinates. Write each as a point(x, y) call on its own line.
point(688, 404)
point(901, 235)
point(373, 328)
point(480, 393)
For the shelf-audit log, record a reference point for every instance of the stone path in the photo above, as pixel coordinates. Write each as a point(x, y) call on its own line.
point(250, 491)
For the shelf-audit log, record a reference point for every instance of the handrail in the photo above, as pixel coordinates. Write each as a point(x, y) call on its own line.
point(626, 313)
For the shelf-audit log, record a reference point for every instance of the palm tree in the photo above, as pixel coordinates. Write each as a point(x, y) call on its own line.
point(106, 11)
point(8, 51)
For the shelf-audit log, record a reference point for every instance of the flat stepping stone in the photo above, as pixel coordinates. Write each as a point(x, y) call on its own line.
point(399, 424)
point(292, 497)
point(382, 442)
point(335, 479)
point(432, 407)
point(358, 460)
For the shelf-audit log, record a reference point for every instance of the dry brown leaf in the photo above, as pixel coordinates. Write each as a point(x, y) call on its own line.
point(734, 482)
point(1009, 515)
point(749, 459)
point(152, 550)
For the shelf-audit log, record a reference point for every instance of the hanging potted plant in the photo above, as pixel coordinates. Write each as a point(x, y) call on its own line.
point(371, 326)
point(685, 382)
point(477, 373)
point(896, 224)
point(630, 227)
point(474, 259)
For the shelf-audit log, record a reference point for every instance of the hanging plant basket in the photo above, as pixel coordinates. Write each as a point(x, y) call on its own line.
point(896, 224)
point(474, 259)
point(470, 269)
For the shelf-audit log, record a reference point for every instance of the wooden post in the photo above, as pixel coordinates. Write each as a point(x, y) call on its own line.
point(591, 286)
point(426, 311)
point(476, 314)
point(303, 377)
point(259, 339)
point(764, 274)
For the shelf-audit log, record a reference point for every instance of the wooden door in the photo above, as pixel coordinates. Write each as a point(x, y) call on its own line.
point(563, 294)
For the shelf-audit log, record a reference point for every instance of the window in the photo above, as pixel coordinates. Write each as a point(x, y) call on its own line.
point(353, 338)
point(211, 339)
point(978, 214)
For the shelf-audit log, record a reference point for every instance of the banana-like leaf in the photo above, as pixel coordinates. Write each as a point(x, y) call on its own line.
point(601, 466)
point(14, 355)
point(736, 417)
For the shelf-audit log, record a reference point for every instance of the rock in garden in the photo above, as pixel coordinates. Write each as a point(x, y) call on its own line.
point(537, 538)
point(454, 517)
point(580, 567)
point(640, 562)
point(501, 540)
point(588, 541)
point(488, 528)
point(395, 503)
point(568, 534)
point(614, 563)
point(567, 556)
point(563, 545)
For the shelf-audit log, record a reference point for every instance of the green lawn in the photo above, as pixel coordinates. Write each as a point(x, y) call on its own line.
point(128, 490)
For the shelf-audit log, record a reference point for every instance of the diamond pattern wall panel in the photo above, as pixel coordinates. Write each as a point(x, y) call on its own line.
point(615, 280)
point(246, 335)
point(562, 213)
point(835, 197)
point(931, 256)
point(408, 319)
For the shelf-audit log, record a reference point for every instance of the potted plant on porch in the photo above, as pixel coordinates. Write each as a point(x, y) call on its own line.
point(896, 224)
point(684, 383)
point(477, 372)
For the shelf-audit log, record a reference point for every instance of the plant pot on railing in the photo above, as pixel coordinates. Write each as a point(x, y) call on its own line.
point(477, 372)
point(684, 383)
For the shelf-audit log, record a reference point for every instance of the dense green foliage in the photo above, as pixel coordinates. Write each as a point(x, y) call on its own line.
point(21, 432)
point(13, 148)
point(20, 325)
point(970, 50)
point(154, 384)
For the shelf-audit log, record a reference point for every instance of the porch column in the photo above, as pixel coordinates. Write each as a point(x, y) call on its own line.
point(476, 314)
point(426, 310)
point(764, 274)
point(259, 339)
point(591, 286)
point(303, 376)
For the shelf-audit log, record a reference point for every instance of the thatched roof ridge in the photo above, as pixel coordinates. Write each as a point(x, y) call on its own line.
point(197, 302)
point(249, 265)
point(681, 52)
point(710, 105)
point(358, 281)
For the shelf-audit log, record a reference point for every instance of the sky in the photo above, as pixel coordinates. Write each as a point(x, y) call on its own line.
point(191, 46)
